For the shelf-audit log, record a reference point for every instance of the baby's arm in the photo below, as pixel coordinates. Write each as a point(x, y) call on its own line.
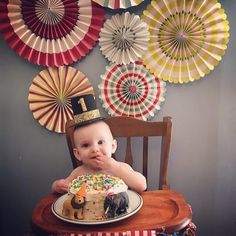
point(61, 185)
point(133, 179)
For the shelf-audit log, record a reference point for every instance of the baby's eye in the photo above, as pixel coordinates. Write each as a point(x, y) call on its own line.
point(85, 145)
point(101, 141)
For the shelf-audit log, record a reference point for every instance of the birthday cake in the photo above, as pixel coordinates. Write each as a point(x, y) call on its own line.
point(96, 197)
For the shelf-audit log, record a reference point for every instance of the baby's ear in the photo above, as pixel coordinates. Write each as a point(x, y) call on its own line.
point(114, 145)
point(76, 153)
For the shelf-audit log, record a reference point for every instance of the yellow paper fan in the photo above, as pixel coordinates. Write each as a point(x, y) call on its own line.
point(50, 93)
point(187, 38)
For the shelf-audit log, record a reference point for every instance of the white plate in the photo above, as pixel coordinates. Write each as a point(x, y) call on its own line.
point(135, 203)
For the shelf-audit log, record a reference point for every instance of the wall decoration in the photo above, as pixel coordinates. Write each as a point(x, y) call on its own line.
point(116, 4)
point(124, 38)
point(131, 90)
point(50, 93)
point(187, 38)
point(51, 33)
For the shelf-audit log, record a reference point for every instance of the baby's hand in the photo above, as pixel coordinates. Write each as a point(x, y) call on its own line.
point(60, 186)
point(106, 164)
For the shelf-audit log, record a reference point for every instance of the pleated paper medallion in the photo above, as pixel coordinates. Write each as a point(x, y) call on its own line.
point(50, 93)
point(187, 38)
point(51, 33)
point(124, 38)
point(131, 90)
point(116, 4)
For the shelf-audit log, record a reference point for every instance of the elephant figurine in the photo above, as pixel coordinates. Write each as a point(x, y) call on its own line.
point(116, 204)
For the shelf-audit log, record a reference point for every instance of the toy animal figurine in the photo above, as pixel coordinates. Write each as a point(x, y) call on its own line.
point(116, 204)
point(73, 205)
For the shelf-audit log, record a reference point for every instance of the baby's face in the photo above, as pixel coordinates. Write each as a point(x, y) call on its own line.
point(94, 141)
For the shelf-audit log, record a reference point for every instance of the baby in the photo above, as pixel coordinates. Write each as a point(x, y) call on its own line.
point(94, 147)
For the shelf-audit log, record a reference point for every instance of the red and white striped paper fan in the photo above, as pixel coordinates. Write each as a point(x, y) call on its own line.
point(50, 94)
point(51, 33)
point(117, 4)
point(131, 90)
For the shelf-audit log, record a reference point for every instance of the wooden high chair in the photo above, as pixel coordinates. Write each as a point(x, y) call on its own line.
point(177, 215)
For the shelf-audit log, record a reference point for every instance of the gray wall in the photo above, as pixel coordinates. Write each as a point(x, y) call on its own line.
point(202, 164)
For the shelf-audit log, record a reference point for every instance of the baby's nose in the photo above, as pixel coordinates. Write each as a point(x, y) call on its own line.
point(95, 148)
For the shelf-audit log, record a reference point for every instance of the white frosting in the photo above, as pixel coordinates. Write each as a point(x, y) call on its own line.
point(98, 184)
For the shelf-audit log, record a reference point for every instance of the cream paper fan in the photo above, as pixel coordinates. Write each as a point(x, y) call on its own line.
point(123, 38)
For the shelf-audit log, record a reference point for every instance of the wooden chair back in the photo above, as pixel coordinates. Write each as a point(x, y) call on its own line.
point(128, 128)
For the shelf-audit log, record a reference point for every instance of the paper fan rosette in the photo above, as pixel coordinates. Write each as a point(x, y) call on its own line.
point(50, 94)
point(51, 33)
point(116, 4)
point(124, 38)
point(187, 38)
point(131, 90)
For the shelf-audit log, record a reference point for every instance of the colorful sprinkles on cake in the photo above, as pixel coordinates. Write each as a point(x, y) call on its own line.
point(100, 182)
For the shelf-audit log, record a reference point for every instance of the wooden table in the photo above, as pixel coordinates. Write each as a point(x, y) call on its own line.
point(162, 211)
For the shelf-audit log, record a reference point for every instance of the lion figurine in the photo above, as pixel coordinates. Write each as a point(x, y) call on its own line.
point(73, 205)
